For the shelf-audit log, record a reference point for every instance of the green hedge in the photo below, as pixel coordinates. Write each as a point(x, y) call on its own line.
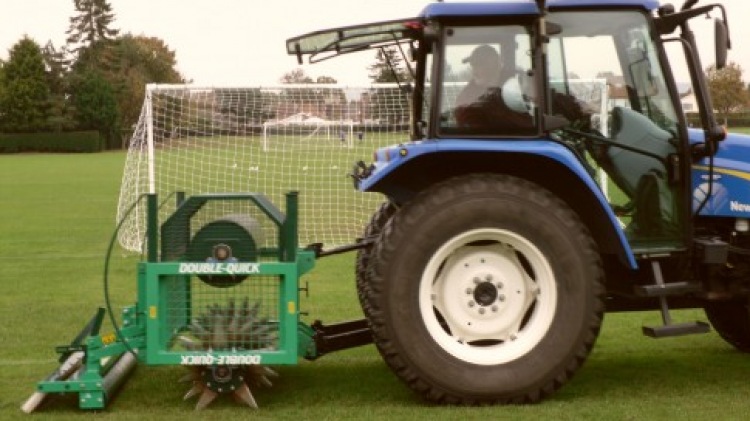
point(83, 141)
point(734, 120)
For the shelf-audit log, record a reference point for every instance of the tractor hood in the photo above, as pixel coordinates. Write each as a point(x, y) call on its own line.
point(729, 193)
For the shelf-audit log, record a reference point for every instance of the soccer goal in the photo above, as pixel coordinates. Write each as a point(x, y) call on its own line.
point(309, 127)
point(271, 140)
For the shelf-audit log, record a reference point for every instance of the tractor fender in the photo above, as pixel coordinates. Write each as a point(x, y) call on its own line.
point(401, 171)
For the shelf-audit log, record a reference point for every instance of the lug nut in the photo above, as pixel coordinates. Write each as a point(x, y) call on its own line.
point(472, 303)
point(481, 310)
point(488, 278)
point(469, 291)
point(501, 298)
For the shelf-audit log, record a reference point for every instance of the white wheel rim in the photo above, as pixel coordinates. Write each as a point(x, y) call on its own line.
point(493, 305)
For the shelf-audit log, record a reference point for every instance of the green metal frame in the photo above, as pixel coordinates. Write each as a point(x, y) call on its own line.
point(153, 281)
point(143, 330)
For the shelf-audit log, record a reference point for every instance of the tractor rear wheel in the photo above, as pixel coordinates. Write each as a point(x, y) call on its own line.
point(485, 289)
point(378, 220)
point(731, 319)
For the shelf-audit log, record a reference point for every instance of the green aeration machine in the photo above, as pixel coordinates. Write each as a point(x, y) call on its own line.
point(218, 293)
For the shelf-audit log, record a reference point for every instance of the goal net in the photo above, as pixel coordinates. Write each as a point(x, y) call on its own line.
point(271, 140)
point(310, 127)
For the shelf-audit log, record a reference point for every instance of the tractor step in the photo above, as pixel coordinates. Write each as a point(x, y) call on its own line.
point(667, 289)
point(661, 290)
point(678, 329)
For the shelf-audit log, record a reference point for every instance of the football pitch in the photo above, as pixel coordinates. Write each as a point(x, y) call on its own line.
point(57, 215)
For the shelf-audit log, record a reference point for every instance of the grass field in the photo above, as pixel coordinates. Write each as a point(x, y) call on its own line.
point(56, 218)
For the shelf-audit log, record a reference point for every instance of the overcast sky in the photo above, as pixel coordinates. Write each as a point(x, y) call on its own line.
point(242, 42)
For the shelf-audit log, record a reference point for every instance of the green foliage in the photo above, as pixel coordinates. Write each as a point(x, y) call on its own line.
point(733, 121)
point(91, 24)
point(25, 102)
point(96, 106)
point(85, 141)
point(296, 76)
point(326, 80)
point(139, 60)
point(61, 115)
point(727, 89)
point(389, 67)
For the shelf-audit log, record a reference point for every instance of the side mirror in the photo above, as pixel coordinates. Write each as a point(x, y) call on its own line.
point(721, 37)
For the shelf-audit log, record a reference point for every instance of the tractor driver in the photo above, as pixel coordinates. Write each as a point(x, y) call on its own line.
point(480, 103)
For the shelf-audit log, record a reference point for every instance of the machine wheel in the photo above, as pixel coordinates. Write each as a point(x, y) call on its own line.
point(485, 289)
point(378, 220)
point(731, 319)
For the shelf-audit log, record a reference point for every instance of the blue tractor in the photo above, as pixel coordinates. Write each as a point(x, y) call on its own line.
point(551, 176)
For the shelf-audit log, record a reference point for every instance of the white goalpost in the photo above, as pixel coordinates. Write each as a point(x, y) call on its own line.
point(266, 139)
point(310, 127)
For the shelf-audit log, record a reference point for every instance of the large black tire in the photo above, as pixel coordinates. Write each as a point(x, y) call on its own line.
point(378, 220)
point(731, 319)
point(485, 289)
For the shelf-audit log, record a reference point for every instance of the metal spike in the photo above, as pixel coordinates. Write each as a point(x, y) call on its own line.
point(192, 376)
point(245, 307)
point(263, 381)
point(219, 335)
point(188, 343)
point(206, 398)
point(259, 375)
point(194, 391)
point(268, 371)
point(243, 394)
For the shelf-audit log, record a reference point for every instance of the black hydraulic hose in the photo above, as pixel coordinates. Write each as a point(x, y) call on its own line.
point(112, 241)
point(709, 192)
point(107, 301)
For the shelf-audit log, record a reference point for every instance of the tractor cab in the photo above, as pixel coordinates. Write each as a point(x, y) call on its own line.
point(588, 78)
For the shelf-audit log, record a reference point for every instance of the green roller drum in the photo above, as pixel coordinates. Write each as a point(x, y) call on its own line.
point(232, 238)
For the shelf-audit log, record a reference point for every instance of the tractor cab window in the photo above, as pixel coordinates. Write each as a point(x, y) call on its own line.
point(486, 82)
point(606, 80)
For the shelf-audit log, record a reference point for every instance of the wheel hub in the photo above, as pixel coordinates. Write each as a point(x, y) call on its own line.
point(222, 379)
point(485, 294)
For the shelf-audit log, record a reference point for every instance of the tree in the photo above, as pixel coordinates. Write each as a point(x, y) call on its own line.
point(56, 64)
point(90, 35)
point(96, 106)
point(92, 24)
point(727, 89)
point(326, 80)
point(388, 67)
point(137, 61)
point(296, 76)
point(26, 99)
point(2, 91)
